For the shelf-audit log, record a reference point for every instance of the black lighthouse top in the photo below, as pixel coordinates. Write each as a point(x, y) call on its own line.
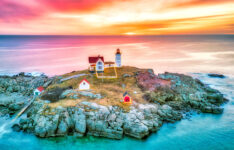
point(118, 51)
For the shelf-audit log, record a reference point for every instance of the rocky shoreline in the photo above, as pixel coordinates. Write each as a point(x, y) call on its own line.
point(164, 104)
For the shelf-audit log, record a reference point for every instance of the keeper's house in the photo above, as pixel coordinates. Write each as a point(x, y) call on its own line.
point(96, 64)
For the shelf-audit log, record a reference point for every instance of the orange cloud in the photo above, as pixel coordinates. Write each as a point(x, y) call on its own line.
point(78, 5)
point(191, 3)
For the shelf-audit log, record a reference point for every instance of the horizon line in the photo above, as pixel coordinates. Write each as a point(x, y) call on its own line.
point(109, 35)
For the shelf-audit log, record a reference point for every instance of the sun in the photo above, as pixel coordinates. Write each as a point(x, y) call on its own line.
point(129, 33)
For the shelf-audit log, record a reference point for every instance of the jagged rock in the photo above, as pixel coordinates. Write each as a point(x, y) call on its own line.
point(166, 103)
point(69, 94)
point(90, 94)
point(62, 128)
point(40, 129)
point(15, 106)
point(217, 110)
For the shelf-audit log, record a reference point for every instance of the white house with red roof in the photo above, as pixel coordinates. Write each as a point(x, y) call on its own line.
point(84, 85)
point(38, 91)
point(96, 64)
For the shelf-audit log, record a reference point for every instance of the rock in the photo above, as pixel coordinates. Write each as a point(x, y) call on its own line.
point(80, 123)
point(151, 71)
point(40, 129)
point(194, 104)
point(46, 84)
point(168, 95)
point(54, 94)
point(137, 130)
point(10, 89)
point(217, 110)
point(126, 75)
point(69, 94)
point(90, 94)
point(15, 106)
point(150, 82)
point(168, 114)
point(62, 128)
point(16, 128)
point(215, 97)
point(216, 75)
point(206, 109)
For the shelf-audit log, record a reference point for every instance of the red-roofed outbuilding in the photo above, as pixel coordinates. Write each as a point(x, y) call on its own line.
point(38, 91)
point(84, 85)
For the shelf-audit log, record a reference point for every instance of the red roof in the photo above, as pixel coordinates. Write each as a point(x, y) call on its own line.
point(95, 59)
point(40, 88)
point(84, 80)
point(127, 99)
point(118, 51)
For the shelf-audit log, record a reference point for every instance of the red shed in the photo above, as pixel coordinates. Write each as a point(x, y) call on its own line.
point(126, 98)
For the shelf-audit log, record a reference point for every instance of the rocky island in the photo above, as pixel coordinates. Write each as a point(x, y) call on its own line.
point(62, 109)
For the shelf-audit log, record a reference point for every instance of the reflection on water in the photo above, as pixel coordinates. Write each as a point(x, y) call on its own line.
point(61, 54)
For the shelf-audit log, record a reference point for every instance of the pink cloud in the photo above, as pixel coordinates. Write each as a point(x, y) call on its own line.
point(11, 11)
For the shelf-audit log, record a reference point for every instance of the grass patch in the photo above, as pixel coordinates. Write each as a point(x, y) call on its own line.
point(111, 89)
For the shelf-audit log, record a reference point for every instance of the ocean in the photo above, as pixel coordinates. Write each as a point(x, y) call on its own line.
point(56, 55)
point(195, 55)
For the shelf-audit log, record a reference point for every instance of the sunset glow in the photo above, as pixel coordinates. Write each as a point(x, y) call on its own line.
point(116, 17)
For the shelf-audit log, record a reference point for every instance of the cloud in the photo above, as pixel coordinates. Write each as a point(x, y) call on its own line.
point(11, 11)
point(191, 3)
point(170, 26)
point(78, 5)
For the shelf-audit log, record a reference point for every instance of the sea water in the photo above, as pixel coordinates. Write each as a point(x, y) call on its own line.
point(55, 55)
point(204, 54)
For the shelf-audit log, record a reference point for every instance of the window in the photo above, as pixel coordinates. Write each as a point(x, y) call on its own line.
point(99, 63)
point(99, 67)
point(83, 83)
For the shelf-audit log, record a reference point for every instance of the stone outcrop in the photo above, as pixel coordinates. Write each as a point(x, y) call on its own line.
point(183, 94)
point(22, 83)
point(92, 119)
point(170, 96)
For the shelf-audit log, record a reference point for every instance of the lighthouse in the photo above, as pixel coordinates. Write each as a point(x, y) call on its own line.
point(118, 58)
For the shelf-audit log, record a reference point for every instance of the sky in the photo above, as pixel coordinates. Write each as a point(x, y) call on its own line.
point(116, 17)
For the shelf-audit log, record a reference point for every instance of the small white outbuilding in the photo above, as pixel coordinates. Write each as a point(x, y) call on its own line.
point(84, 85)
point(38, 91)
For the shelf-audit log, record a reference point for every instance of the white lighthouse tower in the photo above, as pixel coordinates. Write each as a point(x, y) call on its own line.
point(118, 58)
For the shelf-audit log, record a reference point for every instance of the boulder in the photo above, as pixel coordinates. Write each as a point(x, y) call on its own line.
point(53, 94)
point(90, 94)
point(62, 128)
